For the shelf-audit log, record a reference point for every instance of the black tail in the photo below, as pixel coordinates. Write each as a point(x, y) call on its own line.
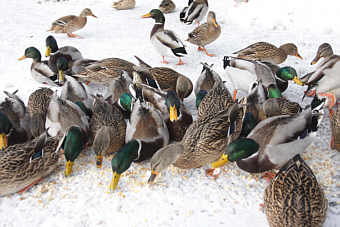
point(179, 52)
point(226, 61)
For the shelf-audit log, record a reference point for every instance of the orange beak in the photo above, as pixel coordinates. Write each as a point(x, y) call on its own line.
point(94, 15)
point(315, 60)
point(22, 58)
point(148, 15)
point(298, 55)
point(214, 23)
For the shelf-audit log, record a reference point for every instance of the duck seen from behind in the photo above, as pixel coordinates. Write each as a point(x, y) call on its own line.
point(167, 6)
point(196, 11)
point(165, 40)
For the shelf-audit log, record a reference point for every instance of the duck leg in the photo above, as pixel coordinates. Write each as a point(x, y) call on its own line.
point(206, 52)
point(268, 176)
point(180, 62)
point(200, 48)
point(29, 186)
point(331, 98)
point(332, 142)
point(164, 61)
point(71, 35)
point(235, 95)
point(215, 173)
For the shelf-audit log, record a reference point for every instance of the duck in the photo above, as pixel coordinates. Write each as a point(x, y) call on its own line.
point(184, 11)
point(196, 11)
point(205, 33)
point(295, 180)
point(71, 120)
point(117, 87)
point(71, 23)
point(275, 82)
point(108, 129)
point(15, 124)
point(263, 51)
point(24, 165)
point(53, 52)
point(324, 51)
point(172, 109)
point(37, 107)
point(167, 6)
point(40, 70)
point(165, 40)
point(124, 4)
point(146, 132)
point(273, 142)
point(105, 70)
point(207, 79)
point(204, 142)
point(167, 79)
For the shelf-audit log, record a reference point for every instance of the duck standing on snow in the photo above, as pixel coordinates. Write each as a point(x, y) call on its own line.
point(146, 132)
point(124, 4)
point(196, 11)
point(167, 6)
point(39, 69)
point(294, 198)
point(71, 23)
point(165, 40)
point(205, 33)
point(267, 52)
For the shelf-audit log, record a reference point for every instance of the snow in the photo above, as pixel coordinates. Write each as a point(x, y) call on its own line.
point(180, 198)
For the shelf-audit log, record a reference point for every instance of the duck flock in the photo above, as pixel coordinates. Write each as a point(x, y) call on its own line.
point(141, 114)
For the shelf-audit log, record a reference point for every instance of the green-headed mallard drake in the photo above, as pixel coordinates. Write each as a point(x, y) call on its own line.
point(196, 11)
point(168, 79)
point(294, 198)
point(107, 129)
point(263, 51)
point(53, 51)
point(167, 6)
point(118, 86)
point(274, 82)
point(165, 41)
point(205, 33)
point(37, 107)
point(146, 132)
point(39, 69)
point(15, 124)
point(207, 79)
point(23, 165)
point(124, 4)
point(71, 23)
point(104, 71)
point(203, 143)
point(72, 121)
point(273, 142)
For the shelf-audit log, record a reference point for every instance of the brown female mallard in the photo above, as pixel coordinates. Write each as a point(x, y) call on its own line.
point(335, 126)
point(167, 6)
point(294, 198)
point(124, 4)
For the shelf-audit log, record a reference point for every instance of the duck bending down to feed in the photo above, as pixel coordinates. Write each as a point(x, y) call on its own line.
point(195, 12)
point(165, 40)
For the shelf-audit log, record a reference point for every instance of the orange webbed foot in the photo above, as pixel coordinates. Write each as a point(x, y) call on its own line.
point(268, 176)
point(29, 186)
point(214, 173)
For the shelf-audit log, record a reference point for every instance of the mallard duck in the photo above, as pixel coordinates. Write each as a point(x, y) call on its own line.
point(205, 33)
point(37, 107)
point(103, 71)
point(107, 129)
point(324, 51)
point(203, 143)
point(196, 11)
point(15, 124)
point(184, 11)
point(23, 165)
point(335, 126)
point(146, 132)
point(71, 120)
point(71, 23)
point(39, 69)
point(273, 82)
point(167, 6)
point(294, 198)
point(165, 40)
point(263, 51)
point(272, 143)
point(124, 4)
point(207, 79)
point(54, 52)
point(118, 86)
point(168, 79)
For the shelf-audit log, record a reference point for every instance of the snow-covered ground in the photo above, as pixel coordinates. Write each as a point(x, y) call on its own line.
point(180, 198)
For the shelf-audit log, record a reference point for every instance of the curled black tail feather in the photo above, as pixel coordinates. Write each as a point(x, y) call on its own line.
point(179, 52)
point(226, 61)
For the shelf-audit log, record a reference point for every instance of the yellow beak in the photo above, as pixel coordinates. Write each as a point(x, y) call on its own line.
point(173, 113)
point(214, 23)
point(298, 55)
point(153, 176)
point(298, 81)
point(148, 15)
point(220, 162)
point(115, 180)
point(22, 58)
point(99, 161)
point(3, 141)
point(61, 76)
point(68, 168)
point(48, 51)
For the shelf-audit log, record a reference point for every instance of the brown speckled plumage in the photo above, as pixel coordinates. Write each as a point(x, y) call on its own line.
point(167, 6)
point(124, 4)
point(335, 126)
point(294, 198)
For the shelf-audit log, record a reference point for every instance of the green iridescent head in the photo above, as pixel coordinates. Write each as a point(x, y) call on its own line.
point(125, 156)
point(32, 52)
point(156, 14)
point(274, 92)
point(51, 45)
point(241, 148)
point(288, 73)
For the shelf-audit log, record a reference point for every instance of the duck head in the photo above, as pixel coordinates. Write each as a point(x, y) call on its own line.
point(173, 104)
point(289, 73)
point(155, 14)
point(51, 45)
point(324, 51)
point(31, 52)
